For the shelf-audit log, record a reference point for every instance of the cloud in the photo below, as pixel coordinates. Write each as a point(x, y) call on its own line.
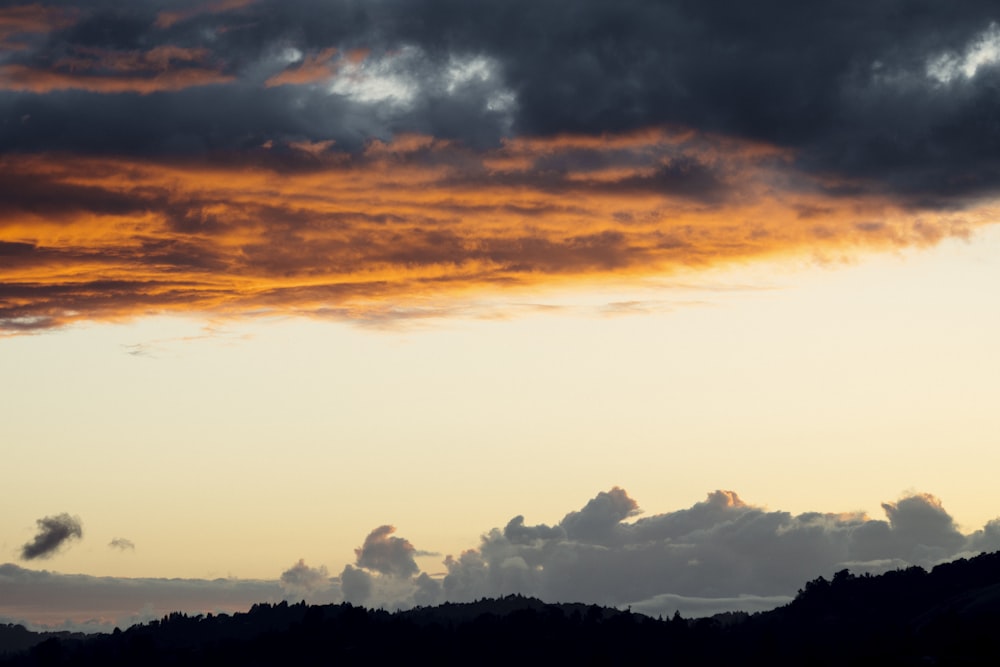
point(356, 585)
point(19, 25)
point(86, 603)
point(301, 580)
point(53, 533)
point(382, 553)
point(416, 224)
point(166, 67)
point(720, 554)
point(721, 548)
point(166, 19)
point(665, 605)
point(312, 69)
point(122, 544)
point(875, 99)
point(362, 160)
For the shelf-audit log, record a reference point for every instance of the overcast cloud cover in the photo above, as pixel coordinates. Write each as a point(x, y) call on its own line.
point(720, 554)
point(360, 159)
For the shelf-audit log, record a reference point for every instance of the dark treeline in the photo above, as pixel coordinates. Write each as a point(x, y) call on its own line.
point(949, 616)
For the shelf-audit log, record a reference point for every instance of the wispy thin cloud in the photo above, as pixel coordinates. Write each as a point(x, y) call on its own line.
point(122, 544)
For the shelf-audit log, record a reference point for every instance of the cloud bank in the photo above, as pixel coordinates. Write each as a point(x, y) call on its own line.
point(399, 159)
point(720, 554)
point(53, 533)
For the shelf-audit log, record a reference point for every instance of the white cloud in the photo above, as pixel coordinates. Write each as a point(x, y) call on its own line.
point(982, 51)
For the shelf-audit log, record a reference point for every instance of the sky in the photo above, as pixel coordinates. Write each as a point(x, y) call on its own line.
point(663, 304)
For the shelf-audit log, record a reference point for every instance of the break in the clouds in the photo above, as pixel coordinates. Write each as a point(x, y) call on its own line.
point(394, 159)
point(53, 533)
point(720, 554)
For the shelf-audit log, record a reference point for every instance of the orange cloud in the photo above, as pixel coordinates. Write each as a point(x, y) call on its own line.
point(312, 69)
point(23, 78)
point(24, 20)
point(157, 59)
point(167, 19)
point(408, 222)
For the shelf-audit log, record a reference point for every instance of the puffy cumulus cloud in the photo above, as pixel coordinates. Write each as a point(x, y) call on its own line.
point(300, 580)
point(388, 555)
point(53, 533)
point(987, 539)
point(924, 531)
point(721, 552)
point(356, 585)
point(600, 518)
point(390, 160)
point(427, 591)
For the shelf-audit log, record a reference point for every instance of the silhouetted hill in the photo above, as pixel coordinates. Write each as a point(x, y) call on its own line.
point(14, 638)
point(948, 616)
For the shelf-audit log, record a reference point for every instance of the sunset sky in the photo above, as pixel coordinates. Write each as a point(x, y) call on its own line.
point(669, 304)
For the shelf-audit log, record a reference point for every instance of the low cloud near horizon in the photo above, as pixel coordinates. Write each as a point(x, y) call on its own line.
point(719, 554)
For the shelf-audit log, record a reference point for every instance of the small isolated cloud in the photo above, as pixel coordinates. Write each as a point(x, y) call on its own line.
point(122, 544)
point(302, 580)
point(53, 532)
point(382, 553)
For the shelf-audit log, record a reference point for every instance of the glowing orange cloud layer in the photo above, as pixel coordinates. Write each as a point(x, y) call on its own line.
point(166, 19)
point(313, 68)
point(163, 68)
point(16, 23)
point(330, 233)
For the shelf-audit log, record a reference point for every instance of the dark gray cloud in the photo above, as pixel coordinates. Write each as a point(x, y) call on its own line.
point(388, 555)
point(293, 144)
point(893, 96)
point(53, 533)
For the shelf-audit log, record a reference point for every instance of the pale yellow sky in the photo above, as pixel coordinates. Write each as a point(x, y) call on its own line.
point(234, 448)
